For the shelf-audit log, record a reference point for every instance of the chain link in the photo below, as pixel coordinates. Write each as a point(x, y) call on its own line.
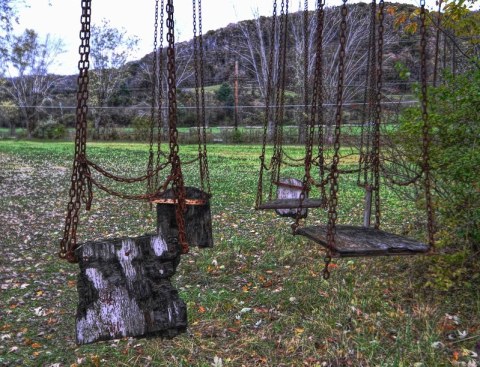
point(268, 98)
point(378, 114)
point(153, 111)
point(204, 170)
point(366, 156)
point(334, 173)
point(198, 57)
point(160, 94)
point(306, 57)
point(426, 127)
point(80, 188)
point(280, 98)
point(315, 112)
point(82, 180)
point(320, 159)
point(178, 186)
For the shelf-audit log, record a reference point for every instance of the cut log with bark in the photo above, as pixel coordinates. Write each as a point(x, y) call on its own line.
point(124, 284)
point(124, 289)
point(198, 218)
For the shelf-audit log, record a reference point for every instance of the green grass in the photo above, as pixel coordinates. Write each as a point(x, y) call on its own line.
point(209, 89)
point(262, 301)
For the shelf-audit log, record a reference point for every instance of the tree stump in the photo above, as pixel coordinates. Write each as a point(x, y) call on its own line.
point(198, 218)
point(124, 289)
point(124, 284)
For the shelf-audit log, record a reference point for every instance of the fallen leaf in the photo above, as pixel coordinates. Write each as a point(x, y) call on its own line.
point(267, 284)
point(455, 355)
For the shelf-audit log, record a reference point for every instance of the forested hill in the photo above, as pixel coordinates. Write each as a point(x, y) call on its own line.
point(248, 43)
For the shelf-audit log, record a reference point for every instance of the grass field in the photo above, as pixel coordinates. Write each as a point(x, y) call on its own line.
point(256, 299)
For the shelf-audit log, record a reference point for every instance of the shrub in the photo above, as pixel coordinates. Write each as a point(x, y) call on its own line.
point(454, 159)
point(141, 127)
point(50, 130)
point(455, 124)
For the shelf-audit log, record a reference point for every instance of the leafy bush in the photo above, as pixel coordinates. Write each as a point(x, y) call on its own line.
point(455, 156)
point(454, 117)
point(50, 130)
point(141, 127)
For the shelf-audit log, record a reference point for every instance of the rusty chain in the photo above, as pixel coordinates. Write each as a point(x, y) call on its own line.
point(153, 111)
point(334, 173)
point(80, 189)
point(160, 93)
point(178, 186)
point(82, 180)
point(320, 158)
point(204, 170)
point(365, 156)
point(197, 88)
point(378, 114)
point(280, 97)
point(305, 60)
point(315, 110)
point(198, 58)
point(268, 97)
point(426, 127)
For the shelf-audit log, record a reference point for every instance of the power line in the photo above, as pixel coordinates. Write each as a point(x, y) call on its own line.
point(410, 102)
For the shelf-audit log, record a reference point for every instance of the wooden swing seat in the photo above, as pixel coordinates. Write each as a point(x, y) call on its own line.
point(291, 203)
point(352, 241)
point(288, 197)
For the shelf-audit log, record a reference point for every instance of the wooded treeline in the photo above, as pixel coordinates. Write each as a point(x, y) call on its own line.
point(121, 91)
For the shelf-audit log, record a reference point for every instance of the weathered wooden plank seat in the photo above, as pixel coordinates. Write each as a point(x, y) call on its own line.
point(291, 204)
point(352, 241)
point(288, 200)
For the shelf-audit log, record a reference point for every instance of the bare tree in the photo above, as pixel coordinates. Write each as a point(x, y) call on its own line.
point(110, 50)
point(184, 71)
point(253, 48)
point(8, 15)
point(29, 83)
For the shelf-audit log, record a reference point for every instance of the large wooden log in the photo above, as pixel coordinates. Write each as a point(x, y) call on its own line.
point(198, 218)
point(124, 289)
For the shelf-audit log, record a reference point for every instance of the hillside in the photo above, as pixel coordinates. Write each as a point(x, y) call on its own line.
point(248, 43)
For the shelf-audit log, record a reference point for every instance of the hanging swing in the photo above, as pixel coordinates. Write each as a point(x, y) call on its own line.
point(293, 196)
point(347, 240)
point(341, 240)
point(124, 283)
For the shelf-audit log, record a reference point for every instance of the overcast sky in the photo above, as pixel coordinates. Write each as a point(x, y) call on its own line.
point(61, 19)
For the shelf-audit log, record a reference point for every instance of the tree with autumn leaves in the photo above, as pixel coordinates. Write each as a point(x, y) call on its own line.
point(454, 118)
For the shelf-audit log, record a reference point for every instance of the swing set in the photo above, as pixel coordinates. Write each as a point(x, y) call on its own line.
point(319, 187)
point(112, 288)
